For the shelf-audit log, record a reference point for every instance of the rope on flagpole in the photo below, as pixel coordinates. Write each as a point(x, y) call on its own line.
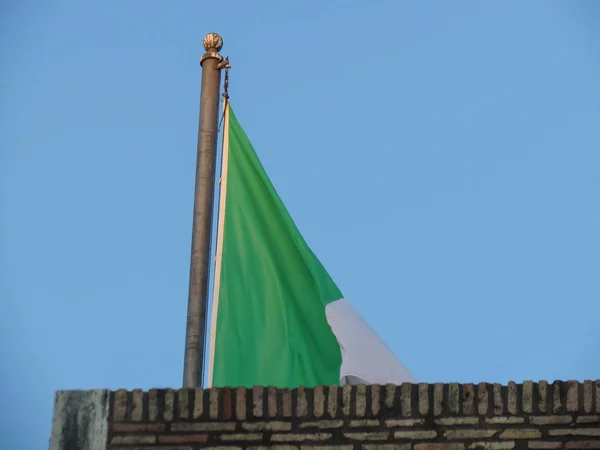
point(225, 96)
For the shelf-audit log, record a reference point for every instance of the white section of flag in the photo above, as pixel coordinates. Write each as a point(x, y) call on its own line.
point(366, 359)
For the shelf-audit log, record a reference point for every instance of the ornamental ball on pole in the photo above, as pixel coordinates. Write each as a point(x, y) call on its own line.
point(212, 41)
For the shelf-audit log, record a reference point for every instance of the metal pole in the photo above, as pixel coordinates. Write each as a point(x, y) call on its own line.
point(203, 211)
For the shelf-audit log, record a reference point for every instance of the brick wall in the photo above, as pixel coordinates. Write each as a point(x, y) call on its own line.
point(559, 415)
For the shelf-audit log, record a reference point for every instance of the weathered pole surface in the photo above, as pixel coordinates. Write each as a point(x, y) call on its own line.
point(203, 211)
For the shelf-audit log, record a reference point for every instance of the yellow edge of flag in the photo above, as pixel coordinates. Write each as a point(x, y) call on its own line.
point(219, 249)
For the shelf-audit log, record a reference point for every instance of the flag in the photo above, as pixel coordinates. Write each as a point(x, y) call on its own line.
point(278, 319)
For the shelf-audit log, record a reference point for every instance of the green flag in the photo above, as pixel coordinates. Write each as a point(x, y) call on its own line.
point(278, 319)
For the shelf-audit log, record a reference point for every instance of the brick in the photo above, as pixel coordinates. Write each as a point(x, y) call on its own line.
point(184, 407)
point(227, 447)
point(543, 396)
point(542, 445)
point(322, 424)
point(492, 445)
point(468, 399)
point(405, 399)
point(153, 405)
point(375, 399)
point(403, 422)
point(332, 398)
point(453, 398)
point(213, 403)
point(576, 432)
point(511, 404)
point(267, 426)
point(137, 405)
point(301, 403)
point(275, 447)
point(361, 400)
point(327, 447)
point(482, 399)
point(438, 398)
point(300, 437)
point(203, 426)
point(346, 395)
point(550, 420)
point(498, 402)
point(583, 444)
point(588, 419)
point(587, 396)
point(133, 440)
point(504, 420)
point(178, 447)
point(427, 434)
point(198, 403)
point(257, 401)
point(469, 434)
point(120, 405)
point(423, 398)
point(390, 395)
point(527, 404)
point(183, 439)
point(444, 446)
point(572, 396)
point(556, 403)
point(240, 403)
point(364, 423)
point(272, 401)
point(286, 403)
point(319, 401)
point(226, 408)
point(374, 436)
point(138, 427)
point(241, 437)
point(457, 421)
point(382, 447)
point(169, 401)
point(521, 433)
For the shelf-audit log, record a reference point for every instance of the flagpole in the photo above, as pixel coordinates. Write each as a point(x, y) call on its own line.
point(212, 63)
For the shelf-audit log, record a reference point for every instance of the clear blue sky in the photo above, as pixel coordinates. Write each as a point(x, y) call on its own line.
point(441, 158)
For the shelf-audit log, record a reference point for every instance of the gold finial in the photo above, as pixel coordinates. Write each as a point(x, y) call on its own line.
point(212, 41)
